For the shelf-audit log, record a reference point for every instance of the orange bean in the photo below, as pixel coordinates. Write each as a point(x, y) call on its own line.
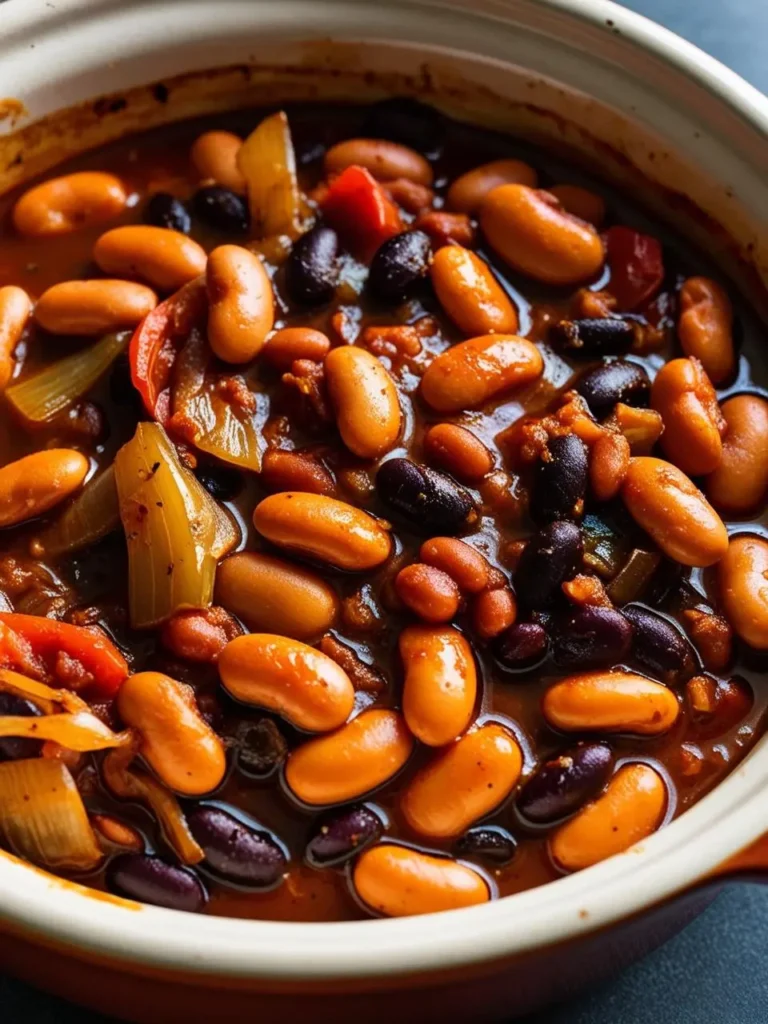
point(176, 741)
point(534, 234)
point(298, 682)
point(295, 471)
point(739, 484)
point(440, 684)
point(608, 465)
point(458, 450)
point(469, 374)
point(365, 399)
point(384, 160)
point(610, 702)
point(164, 258)
point(199, 634)
point(743, 580)
point(641, 427)
point(631, 808)
point(428, 592)
point(214, 156)
point(470, 294)
point(93, 307)
point(15, 307)
point(467, 192)
point(463, 783)
point(346, 764)
point(693, 423)
point(117, 832)
point(447, 228)
point(580, 202)
point(292, 343)
point(493, 611)
point(240, 303)
point(35, 483)
point(468, 567)
point(705, 327)
point(62, 205)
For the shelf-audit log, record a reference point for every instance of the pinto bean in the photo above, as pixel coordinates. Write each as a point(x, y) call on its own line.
point(739, 484)
point(608, 465)
point(352, 761)
point(240, 303)
point(365, 399)
point(469, 374)
point(580, 202)
point(298, 682)
point(214, 156)
point(62, 205)
point(458, 451)
point(470, 294)
point(468, 191)
point(35, 483)
point(610, 702)
point(665, 503)
point(93, 307)
point(384, 160)
point(493, 611)
point(15, 307)
point(323, 528)
point(295, 471)
point(471, 570)
point(176, 741)
point(743, 580)
point(532, 232)
point(428, 592)
point(440, 684)
point(693, 423)
point(705, 327)
point(292, 343)
point(165, 259)
point(631, 809)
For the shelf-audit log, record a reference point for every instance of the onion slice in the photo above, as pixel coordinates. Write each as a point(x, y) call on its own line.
point(267, 162)
point(81, 731)
point(89, 516)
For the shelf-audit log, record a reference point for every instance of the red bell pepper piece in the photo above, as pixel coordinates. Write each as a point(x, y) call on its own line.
point(357, 206)
point(637, 266)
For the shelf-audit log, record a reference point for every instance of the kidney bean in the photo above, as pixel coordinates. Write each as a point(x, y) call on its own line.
point(712, 637)
point(592, 637)
point(323, 528)
point(405, 120)
point(312, 269)
point(631, 809)
point(214, 156)
point(240, 303)
point(493, 611)
point(463, 783)
point(550, 557)
point(222, 209)
point(14, 748)
point(592, 338)
point(522, 647)
point(467, 192)
point(35, 483)
point(429, 500)
point(336, 839)
point(223, 483)
point(428, 592)
point(352, 761)
point(742, 576)
point(365, 399)
point(261, 748)
point(166, 211)
point(705, 327)
point(240, 854)
point(470, 294)
point(608, 465)
point(613, 382)
point(383, 159)
point(489, 843)
point(199, 635)
point(93, 307)
point(739, 484)
point(693, 423)
point(15, 307)
point(301, 684)
point(69, 203)
point(665, 503)
point(176, 741)
point(610, 702)
point(580, 202)
point(658, 644)
point(295, 471)
point(560, 484)
point(564, 783)
point(469, 374)
point(138, 876)
point(165, 259)
point(463, 563)
point(447, 228)
point(410, 196)
point(292, 343)
point(440, 686)
point(399, 264)
point(457, 450)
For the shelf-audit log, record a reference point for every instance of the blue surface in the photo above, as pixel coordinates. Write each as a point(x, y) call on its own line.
point(715, 971)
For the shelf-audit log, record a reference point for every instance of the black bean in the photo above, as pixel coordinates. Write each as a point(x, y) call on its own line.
point(222, 209)
point(233, 850)
point(431, 501)
point(312, 268)
point(153, 880)
point(592, 637)
point(399, 264)
point(487, 843)
point(340, 837)
point(618, 381)
point(566, 782)
point(560, 482)
point(658, 644)
point(521, 647)
point(407, 121)
point(550, 557)
point(222, 482)
point(261, 747)
point(603, 336)
point(166, 211)
point(14, 748)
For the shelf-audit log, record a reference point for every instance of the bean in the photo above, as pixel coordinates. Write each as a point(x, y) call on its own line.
point(742, 576)
point(693, 423)
point(534, 234)
point(222, 209)
point(614, 382)
point(428, 592)
point(301, 684)
point(399, 264)
point(580, 202)
point(405, 120)
point(739, 484)
point(641, 427)
point(560, 484)
point(62, 205)
point(440, 686)
point(295, 471)
point(564, 783)
point(471, 570)
point(592, 637)
point(352, 761)
point(14, 748)
point(223, 483)
point(341, 837)
point(467, 193)
point(458, 451)
point(274, 596)
point(323, 528)
point(550, 557)
point(608, 465)
point(658, 644)
point(429, 500)
point(236, 852)
point(93, 307)
point(522, 647)
point(705, 327)
point(261, 748)
point(610, 702)
point(15, 307)
point(470, 294)
point(214, 156)
point(312, 269)
point(397, 881)
point(117, 832)
point(492, 844)
point(384, 160)
point(165, 259)
point(153, 880)
point(166, 211)
point(176, 741)
point(463, 783)
point(447, 228)
point(292, 343)
point(593, 338)
point(631, 809)
point(668, 506)
point(199, 634)
point(493, 612)
point(365, 400)
point(35, 483)
point(240, 303)
point(469, 374)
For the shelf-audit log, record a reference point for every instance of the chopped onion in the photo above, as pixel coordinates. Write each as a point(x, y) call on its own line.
point(89, 516)
point(81, 731)
point(268, 164)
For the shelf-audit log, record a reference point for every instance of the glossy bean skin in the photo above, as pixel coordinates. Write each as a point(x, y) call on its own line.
point(471, 570)
point(292, 343)
point(743, 582)
point(658, 643)
point(341, 836)
point(592, 637)
point(13, 748)
point(166, 211)
point(617, 381)
point(740, 482)
point(470, 294)
point(560, 484)
point(397, 881)
point(705, 327)
point(176, 741)
point(240, 303)
point(214, 155)
point(234, 851)
point(468, 192)
point(324, 529)
point(60, 206)
point(665, 503)
point(301, 684)
point(608, 465)
point(693, 422)
point(93, 307)
point(493, 612)
point(550, 557)
point(399, 264)
point(153, 880)
point(428, 592)
point(564, 783)
point(35, 483)
point(428, 499)
point(592, 338)
point(440, 686)
point(463, 783)
point(15, 307)
point(283, 470)
point(580, 202)
point(469, 374)
point(351, 761)
point(631, 808)
point(163, 258)
point(457, 450)
point(222, 209)
point(312, 268)
point(610, 702)
point(384, 160)
point(535, 235)
point(521, 647)
point(491, 844)
point(365, 400)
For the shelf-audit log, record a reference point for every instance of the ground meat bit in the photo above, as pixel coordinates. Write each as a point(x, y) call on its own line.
point(587, 590)
point(360, 612)
point(28, 585)
point(276, 431)
point(89, 616)
point(199, 635)
point(712, 636)
point(308, 379)
point(526, 440)
point(411, 196)
point(447, 228)
point(397, 342)
point(364, 677)
point(71, 673)
point(588, 305)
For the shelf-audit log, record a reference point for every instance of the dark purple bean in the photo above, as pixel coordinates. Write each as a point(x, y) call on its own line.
point(222, 209)
point(340, 837)
point(222, 482)
point(488, 843)
point(591, 637)
point(566, 782)
point(431, 501)
point(618, 381)
point(153, 880)
point(658, 644)
point(405, 120)
point(261, 747)
point(15, 748)
point(166, 211)
point(590, 339)
point(399, 264)
point(312, 271)
point(560, 482)
point(522, 646)
point(233, 850)
point(551, 556)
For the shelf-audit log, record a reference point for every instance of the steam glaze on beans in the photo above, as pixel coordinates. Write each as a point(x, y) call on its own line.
point(420, 559)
